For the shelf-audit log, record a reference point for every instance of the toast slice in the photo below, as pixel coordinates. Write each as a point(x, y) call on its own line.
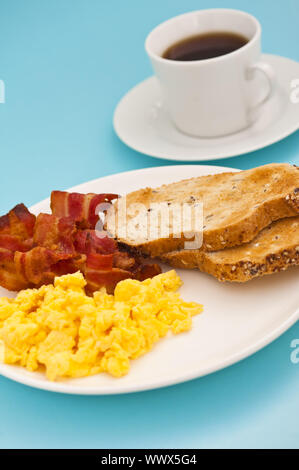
point(236, 207)
point(276, 248)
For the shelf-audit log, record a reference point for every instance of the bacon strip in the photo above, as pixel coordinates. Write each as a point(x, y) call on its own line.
point(35, 250)
point(69, 266)
point(16, 231)
point(55, 233)
point(81, 208)
point(13, 243)
point(90, 241)
point(35, 266)
point(9, 278)
point(18, 222)
point(99, 262)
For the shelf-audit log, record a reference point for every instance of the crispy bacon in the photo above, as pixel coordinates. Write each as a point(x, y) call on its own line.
point(5, 224)
point(9, 278)
point(55, 233)
point(97, 261)
point(82, 208)
point(16, 231)
point(14, 243)
point(69, 266)
point(35, 250)
point(91, 241)
point(18, 222)
point(36, 266)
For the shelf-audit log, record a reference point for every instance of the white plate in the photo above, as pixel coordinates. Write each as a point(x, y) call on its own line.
point(141, 122)
point(237, 320)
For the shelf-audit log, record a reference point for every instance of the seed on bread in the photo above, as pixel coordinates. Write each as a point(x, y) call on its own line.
point(237, 206)
point(264, 255)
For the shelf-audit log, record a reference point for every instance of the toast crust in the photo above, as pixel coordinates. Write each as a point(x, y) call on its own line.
point(275, 249)
point(237, 206)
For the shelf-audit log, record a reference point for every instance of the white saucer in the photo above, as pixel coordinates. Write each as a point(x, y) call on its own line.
point(141, 122)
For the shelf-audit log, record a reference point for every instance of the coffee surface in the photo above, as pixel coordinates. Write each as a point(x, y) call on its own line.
point(205, 46)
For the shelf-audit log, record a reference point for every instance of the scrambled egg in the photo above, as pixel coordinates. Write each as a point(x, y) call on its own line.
point(59, 328)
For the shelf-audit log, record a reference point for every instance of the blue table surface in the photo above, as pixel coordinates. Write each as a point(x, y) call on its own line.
point(65, 65)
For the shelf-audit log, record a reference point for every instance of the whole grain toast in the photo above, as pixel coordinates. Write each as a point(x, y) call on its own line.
point(236, 206)
point(275, 248)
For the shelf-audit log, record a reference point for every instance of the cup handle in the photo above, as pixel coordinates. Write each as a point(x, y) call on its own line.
point(269, 73)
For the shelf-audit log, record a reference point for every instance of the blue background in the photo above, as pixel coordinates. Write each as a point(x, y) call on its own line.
point(66, 64)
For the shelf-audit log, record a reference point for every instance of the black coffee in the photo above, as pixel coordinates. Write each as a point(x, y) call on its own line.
point(205, 46)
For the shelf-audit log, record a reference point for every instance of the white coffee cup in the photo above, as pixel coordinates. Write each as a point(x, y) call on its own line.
point(217, 96)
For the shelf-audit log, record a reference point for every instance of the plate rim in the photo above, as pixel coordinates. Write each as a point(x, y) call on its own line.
point(220, 156)
point(65, 387)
